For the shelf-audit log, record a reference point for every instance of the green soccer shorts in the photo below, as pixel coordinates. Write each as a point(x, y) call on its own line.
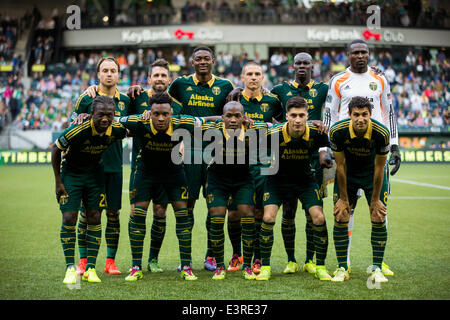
point(87, 188)
point(306, 189)
point(148, 187)
point(258, 181)
point(364, 183)
point(160, 194)
point(219, 189)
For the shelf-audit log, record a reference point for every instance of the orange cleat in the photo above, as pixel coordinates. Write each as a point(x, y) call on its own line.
point(110, 267)
point(235, 262)
point(81, 267)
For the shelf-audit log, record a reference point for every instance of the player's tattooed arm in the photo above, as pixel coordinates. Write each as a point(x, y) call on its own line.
point(60, 190)
point(378, 210)
point(341, 209)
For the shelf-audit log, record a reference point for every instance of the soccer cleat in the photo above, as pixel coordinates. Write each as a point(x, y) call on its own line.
point(348, 270)
point(264, 274)
point(135, 274)
point(322, 273)
point(291, 267)
point(256, 266)
point(154, 267)
point(310, 267)
point(81, 267)
point(378, 276)
point(110, 267)
point(340, 275)
point(187, 274)
point(91, 276)
point(210, 264)
point(248, 274)
point(179, 266)
point(71, 275)
point(219, 274)
point(235, 262)
point(386, 271)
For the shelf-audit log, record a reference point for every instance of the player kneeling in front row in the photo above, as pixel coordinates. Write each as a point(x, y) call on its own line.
point(80, 177)
point(360, 145)
point(298, 140)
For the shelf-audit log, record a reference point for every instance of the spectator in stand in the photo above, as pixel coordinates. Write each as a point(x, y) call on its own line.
point(390, 75)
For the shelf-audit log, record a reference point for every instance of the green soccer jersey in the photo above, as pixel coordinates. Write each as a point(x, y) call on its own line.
point(359, 151)
point(295, 153)
point(262, 108)
point(201, 99)
point(315, 95)
point(113, 157)
point(83, 146)
point(138, 106)
point(155, 155)
point(239, 151)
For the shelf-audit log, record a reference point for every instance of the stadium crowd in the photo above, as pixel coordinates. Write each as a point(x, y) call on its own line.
point(420, 87)
point(398, 13)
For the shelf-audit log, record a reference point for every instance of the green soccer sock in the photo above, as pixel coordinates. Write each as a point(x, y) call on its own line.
point(184, 235)
point(248, 239)
point(93, 240)
point(378, 240)
point(288, 233)
point(157, 236)
point(340, 238)
point(310, 249)
point(320, 242)
point(218, 238)
point(68, 238)
point(266, 242)
point(191, 217)
point(81, 234)
point(209, 251)
point(137, 234)
point(112, 232)
point(234, 232)
point(256, 247)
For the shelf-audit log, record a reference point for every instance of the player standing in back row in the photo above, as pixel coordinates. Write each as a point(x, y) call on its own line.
point(108, 75)
point(202, 94)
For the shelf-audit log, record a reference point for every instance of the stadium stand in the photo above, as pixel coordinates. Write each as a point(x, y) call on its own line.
point(419, 82)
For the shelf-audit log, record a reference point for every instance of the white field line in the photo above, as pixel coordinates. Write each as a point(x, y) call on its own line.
point(420, 184)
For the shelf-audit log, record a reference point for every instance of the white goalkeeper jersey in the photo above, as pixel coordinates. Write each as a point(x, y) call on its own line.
point(347, 84)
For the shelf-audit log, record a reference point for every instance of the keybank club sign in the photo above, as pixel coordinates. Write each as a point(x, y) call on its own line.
point(149, 35)
point(336, 34)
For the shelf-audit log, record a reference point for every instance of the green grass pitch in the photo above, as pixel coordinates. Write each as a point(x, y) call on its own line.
point(418, 250)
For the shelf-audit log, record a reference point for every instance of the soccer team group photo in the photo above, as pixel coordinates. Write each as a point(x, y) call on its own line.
point(226, 150)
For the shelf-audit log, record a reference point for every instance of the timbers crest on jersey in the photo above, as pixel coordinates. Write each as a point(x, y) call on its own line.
point(373, 86)
point(313, 93)
point(264, 107)
point(215, 90)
